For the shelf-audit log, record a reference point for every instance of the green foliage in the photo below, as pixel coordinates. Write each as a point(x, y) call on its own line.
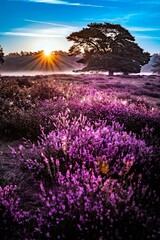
point(108, 47)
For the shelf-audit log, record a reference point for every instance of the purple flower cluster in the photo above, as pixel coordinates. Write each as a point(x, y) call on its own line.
point(77, 140)
point(91, 179)
point(89, 205)
point(89, 174)
point(12, 216)
point(28, 103)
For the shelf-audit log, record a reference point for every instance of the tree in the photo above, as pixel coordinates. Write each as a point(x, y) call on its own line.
point(108, 47)
point(156, 65)
point(1, 55)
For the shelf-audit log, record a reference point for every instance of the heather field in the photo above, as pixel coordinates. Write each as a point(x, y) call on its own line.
point(79, 157)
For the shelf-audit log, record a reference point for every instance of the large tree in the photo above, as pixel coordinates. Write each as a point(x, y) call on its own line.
point(1, 55)
point(156, 65)
point(108, 47)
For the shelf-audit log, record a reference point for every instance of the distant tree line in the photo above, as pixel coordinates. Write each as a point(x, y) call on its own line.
point(25, 53)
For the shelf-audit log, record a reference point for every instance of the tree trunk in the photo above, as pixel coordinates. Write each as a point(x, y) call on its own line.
point(111, 73)
point(125, 73)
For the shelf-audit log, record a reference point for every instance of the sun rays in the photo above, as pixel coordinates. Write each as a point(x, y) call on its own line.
point(47, 53)
point(49, 61)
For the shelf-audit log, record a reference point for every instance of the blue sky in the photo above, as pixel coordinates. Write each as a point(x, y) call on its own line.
point(32, 25)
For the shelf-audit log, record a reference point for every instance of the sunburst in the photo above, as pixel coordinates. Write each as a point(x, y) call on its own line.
point(47, 53)
point(46, 60)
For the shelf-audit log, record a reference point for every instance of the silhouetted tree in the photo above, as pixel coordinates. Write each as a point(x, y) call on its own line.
point(14, 54)
point(108, 47)
point(156, 65)
point(60, 52)
point(1, 55)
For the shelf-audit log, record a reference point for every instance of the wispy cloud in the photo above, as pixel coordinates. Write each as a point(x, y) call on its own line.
point(59, 2)
point(49, 23)
point(142, 29)
point(121, 19)
point(39, 30)
point(137, 1)
point(147, 37)
point(29, 34)
point(150, 2)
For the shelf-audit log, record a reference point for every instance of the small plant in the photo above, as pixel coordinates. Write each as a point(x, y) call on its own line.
point(11, 215)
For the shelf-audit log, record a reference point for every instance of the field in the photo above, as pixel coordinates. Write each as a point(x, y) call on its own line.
point(79, 157)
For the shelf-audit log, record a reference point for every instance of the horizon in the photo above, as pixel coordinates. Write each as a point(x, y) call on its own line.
point(34, 25)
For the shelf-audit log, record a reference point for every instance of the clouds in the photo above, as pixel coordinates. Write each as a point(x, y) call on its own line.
point(37, 20)
point(49, 23)
point(143, 29)
point(120, 19)
point(148, 37)
point(150, 2)
point(59, 2)
point(42, 30)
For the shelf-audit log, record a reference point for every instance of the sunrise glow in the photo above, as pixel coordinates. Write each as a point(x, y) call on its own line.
point(47, 52)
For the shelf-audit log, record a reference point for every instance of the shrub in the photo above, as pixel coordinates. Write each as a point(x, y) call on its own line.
point(11, 215)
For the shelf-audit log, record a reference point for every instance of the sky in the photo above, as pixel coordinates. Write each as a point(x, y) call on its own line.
point(32, 25)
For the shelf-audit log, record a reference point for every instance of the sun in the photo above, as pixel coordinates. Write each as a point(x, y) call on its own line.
point(47, 53)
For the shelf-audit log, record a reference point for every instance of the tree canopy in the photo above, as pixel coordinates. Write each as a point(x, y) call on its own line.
point(108, 47)
point(1, 55)
point(156, 65)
